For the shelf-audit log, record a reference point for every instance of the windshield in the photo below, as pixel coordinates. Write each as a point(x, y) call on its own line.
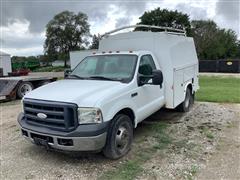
point(106, 67)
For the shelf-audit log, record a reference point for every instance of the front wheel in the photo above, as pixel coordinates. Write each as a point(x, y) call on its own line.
point(120, 137)
point(187, 103)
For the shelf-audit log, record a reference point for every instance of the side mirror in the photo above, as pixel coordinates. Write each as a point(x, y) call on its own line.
point(145, 74)
point(157, 78)
point(67, 72)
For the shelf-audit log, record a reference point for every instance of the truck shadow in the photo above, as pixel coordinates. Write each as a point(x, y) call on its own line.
point(169, 116)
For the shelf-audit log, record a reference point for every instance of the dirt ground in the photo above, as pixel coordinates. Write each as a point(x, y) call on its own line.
point(205, 144)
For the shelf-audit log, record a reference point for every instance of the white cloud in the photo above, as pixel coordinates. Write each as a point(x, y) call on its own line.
point(18, 40)
point(22, 30)
point(228, 15)
point(31, 51)
point(116, 17)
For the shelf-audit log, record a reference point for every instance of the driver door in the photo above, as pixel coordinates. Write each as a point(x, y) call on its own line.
point(150, 97)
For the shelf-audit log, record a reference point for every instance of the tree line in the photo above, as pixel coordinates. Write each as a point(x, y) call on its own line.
point(68, 31)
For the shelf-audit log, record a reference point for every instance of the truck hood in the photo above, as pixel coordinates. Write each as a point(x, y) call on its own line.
point(84, 93)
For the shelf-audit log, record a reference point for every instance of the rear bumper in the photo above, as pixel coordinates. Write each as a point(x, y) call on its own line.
point(84, 138)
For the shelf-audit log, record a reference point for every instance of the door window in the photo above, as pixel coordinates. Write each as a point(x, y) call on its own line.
point(146, 65)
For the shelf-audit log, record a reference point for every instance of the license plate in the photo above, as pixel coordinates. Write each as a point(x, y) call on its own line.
point(41, 142)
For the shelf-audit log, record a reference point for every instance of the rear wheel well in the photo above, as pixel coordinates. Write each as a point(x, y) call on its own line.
point(189, 86)
point(129, 112)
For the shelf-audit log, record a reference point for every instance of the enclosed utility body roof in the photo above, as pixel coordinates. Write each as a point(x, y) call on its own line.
point(175, 54)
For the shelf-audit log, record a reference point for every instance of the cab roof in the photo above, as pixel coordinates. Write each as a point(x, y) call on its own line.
point(139, 52)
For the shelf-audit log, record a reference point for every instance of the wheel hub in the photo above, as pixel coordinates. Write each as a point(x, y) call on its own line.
point(122, 138)
point(25, 89)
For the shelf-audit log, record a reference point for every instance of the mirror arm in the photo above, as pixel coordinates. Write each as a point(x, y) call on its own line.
point(146, 76)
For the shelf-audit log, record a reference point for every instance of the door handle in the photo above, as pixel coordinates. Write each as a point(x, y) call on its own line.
point(134, 94)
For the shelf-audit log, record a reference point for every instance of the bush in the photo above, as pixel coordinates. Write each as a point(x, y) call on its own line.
point(50, 69)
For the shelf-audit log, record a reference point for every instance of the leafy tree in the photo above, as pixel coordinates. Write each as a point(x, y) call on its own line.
point(213, 42)
point(44, 59)
point(165, 17)
point(66, 32)
point(238, 49)
point(95, 41)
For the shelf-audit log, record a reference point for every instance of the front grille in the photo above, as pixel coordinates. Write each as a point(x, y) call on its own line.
point(60, 116)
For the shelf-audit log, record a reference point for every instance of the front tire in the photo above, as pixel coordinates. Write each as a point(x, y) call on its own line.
point(187, 103)
point(119, 138)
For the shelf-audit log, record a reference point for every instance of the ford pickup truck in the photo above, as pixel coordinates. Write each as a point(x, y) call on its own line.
point(107, 93)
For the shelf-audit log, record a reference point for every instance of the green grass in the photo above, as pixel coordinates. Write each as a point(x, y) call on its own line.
point(207, 133)
point(130, 169)
point(127, 171)
point(163, 139)
point(192, 171)
point(219, 89)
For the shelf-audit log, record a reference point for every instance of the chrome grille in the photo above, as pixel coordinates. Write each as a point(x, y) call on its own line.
point(60, 116)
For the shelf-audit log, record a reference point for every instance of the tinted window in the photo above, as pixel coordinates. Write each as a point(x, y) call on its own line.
point(146, 65)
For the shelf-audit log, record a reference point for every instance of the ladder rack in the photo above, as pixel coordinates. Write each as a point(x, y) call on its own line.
point(169, 30)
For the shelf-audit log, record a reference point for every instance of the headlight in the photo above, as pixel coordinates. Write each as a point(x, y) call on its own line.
point(89, 115)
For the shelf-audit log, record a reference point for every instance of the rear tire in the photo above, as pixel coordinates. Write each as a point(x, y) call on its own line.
point(119, 138)
point(187, 103)
point(24, 88)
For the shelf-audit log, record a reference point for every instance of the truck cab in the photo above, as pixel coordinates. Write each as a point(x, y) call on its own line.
point(100, 102)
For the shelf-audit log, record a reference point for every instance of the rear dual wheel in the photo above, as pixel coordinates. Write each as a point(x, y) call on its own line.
point(188, 102)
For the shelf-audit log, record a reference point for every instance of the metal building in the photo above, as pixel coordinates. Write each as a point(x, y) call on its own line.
point(5, 64)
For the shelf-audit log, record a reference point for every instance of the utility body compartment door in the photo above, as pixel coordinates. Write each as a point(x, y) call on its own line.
point(178, 87)
point(181, 78)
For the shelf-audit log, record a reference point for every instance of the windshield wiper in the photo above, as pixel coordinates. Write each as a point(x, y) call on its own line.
point(103, 78)
point(76, 76)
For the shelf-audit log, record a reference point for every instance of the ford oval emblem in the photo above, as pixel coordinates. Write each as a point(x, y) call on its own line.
point(42, 115)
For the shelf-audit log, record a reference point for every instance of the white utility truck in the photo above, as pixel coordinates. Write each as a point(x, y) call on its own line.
point(100, 102)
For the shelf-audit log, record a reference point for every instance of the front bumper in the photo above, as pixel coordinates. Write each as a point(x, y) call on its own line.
point(93, 143)
point(92, 139)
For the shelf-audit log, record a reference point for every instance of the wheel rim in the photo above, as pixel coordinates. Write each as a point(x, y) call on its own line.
point(122, 138)
point(26, 88)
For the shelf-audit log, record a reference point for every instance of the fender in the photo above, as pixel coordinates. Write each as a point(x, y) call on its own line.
point(110, 110)
point(189, 82)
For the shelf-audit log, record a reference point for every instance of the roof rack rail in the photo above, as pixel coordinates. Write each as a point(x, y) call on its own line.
point(169, 30)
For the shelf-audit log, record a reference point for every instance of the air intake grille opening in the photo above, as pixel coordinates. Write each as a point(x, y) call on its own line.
point(59, 116)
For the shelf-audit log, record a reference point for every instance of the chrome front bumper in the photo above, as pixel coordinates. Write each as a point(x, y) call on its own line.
point(92, 143)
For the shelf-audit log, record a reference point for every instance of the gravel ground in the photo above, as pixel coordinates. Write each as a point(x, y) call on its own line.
point(205, 146)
